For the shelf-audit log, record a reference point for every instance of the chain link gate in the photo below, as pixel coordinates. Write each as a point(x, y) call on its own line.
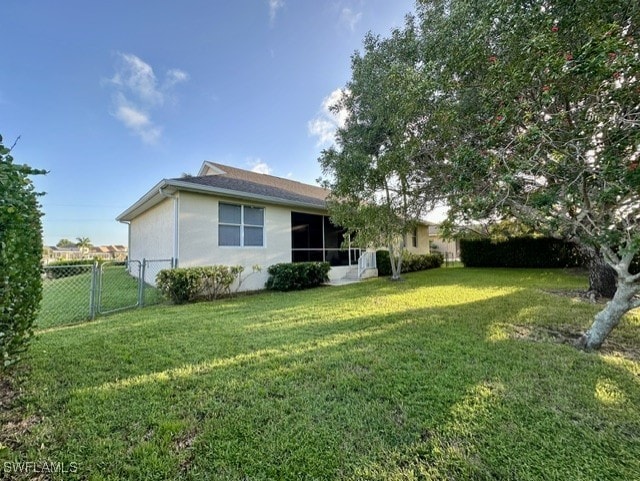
point(78, 292)
point(118, 286)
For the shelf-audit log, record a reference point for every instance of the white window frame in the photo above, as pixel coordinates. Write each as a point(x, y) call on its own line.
point(242, 226)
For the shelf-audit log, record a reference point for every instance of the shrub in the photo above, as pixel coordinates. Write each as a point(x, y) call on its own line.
point(297, 275)
point(383, 263)
point(20, 254)
point(410, 262)
point(197, 283)
point(518, 252)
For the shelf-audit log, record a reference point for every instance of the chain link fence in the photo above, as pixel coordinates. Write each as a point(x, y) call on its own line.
point(75, 293)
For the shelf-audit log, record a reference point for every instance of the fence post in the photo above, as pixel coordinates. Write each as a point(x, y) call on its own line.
point(141, 283)
point(93, 293)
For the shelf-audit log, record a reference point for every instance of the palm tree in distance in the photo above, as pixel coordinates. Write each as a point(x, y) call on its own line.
point(84, 243)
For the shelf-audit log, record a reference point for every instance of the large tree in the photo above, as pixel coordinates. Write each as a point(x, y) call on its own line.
point(375, 192)
point(527, 109)
point(544, 102)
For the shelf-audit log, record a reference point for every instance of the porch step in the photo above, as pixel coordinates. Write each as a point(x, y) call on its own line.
point(352, 274)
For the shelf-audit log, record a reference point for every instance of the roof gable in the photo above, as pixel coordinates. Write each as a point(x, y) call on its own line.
point(231, 182)
point(210, 169)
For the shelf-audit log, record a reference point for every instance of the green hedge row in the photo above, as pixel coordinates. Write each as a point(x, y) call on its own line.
point(20, 254)
point(68, 268)
point(410, 262)
point(297, 275)
point(190, 284)
point(518, 252)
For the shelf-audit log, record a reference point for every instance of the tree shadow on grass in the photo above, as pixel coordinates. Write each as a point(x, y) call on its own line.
point(441, 392)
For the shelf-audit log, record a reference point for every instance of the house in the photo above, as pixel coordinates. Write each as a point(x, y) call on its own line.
point(449, 248)
point(418, 241)
point(55, 253)
point(231, 216)
point(109, 252)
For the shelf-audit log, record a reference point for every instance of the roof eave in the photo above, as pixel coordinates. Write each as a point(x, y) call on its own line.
point(207, 189)
point(144, 203)
point(156, 194)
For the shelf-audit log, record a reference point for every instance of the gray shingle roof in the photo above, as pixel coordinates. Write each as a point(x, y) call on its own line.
point(244, 181)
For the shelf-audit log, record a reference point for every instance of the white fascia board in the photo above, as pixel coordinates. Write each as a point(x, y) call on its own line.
point(148, 200)
point(207, 165)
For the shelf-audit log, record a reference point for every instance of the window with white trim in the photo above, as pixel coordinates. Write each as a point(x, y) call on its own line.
point(240, 225)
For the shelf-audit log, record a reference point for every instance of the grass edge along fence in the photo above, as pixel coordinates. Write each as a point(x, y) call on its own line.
point(79, 291)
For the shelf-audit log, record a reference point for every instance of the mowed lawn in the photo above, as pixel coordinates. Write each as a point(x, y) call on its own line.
point(451, 374)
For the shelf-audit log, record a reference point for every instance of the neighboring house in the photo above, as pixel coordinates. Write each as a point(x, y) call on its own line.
point(54, 253)
point(450, 248)
point(231, 216)
point(110, 252)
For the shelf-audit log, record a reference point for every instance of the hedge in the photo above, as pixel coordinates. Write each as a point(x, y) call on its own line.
point(518, 252)
point(297, 275)
point(197, 283)
point(20, 256)
point(410, 262)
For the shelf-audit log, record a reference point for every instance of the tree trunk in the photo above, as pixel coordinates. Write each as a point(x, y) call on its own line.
point(602, 277)
point(607, 319)
point(396, 264)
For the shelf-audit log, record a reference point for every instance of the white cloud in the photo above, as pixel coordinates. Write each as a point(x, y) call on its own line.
point(259, 166)
point(137, 92)
point(136, 120)
point(350, 18)
point(137, 77)
point(324, 129)
point(274, 6)
point(327, 121)
point(174, 77)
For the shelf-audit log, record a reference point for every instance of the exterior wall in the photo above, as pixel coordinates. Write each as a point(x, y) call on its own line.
point(198, 238)
point(151, 235)
point(423, 241)
point(449, 248)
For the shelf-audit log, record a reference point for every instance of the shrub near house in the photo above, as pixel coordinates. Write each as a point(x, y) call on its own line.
point(410, 262)
point(197, 283)
point(296, 276)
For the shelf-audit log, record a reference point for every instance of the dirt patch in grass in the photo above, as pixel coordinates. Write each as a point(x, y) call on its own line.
point(7, 395)
point(15, 424)
point(568, 334)
point(578, 295)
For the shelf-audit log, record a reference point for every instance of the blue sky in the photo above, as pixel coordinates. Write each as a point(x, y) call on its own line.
point(111, 97)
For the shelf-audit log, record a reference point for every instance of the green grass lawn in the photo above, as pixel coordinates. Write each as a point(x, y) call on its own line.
point(452, 374)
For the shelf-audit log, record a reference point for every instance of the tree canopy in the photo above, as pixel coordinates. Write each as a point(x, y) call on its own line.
point(525, 109)
point(370, 172)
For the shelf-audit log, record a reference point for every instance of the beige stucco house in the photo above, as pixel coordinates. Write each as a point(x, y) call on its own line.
point(449, 248)
point(231, 216)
